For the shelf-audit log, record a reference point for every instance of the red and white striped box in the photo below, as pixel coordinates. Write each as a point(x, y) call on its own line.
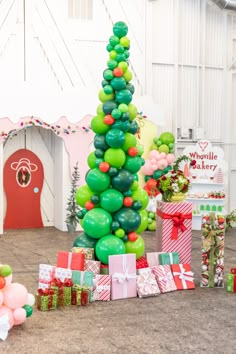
point(164, 278)
point(92, 266)
point(102, 288)
point(174, 229)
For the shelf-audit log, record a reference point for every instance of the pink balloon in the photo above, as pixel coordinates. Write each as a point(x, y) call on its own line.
point(170, 158)
point(153, 154)
point(19, 316)
point(147, 168)
point(152, 161)
point(4, 310)
point(163, 155)
point(1, 298)
point(8, 279)
point(162, 164)
point(15, 295)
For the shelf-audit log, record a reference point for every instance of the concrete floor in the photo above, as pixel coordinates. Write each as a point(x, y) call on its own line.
point(182, 322)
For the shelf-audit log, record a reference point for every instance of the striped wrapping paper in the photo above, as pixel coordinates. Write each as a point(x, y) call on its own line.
point(164, 278)
point(92, 266)
point(102, 288)
point(46, 275)
point(165, 227)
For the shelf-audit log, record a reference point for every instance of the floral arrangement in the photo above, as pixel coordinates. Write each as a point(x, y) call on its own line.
point(175, 181)
point(231, 219)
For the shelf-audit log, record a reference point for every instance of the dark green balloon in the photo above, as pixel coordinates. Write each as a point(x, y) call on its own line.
point(122, 181)
point(124, 96)
point(109, 245)
point(118, 83)
point(28, 310)
point(120, 29)
point(113, 171)
point(114, 40)
point(108, 89)
point(84, 240)
point(115, 225)
point(109, 47)
point(105, 83)
point(137, 205)
point(108, 106)
point(98, 161)
point(100, 141)
point(119, 48)
point(130, 87)
point(126, 54)
point(125, 116)
point(119, 124)
point(157, 174)
point(133, 127)
point(115, 138)
point(120, 57)
point(99, 153)
point(95, 199)
point(128, 219)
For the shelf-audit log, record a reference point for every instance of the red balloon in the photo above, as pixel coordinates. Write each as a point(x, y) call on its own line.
point(108, 119)
point(132, 236)
point(104, 166)
point(133, 151)
point(89, 205)
point(117, 72)
point(151, 183)
point(128, 201)
point(2, 282)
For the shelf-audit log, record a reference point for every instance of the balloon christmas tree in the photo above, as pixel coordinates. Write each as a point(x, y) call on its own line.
point(112, 203)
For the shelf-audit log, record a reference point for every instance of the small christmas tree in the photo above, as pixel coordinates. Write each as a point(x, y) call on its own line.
point(72, 207)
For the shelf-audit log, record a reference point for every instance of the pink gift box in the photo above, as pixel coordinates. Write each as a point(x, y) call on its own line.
point(164, 278)
point(92, 266)
point(74, 261)
point(147, 284)
point(102, 288)
point(174, 229)
point(46, 275)
point(122, 268)
point(153, 258)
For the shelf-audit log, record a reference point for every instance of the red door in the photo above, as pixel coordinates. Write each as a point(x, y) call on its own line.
point(23, 181)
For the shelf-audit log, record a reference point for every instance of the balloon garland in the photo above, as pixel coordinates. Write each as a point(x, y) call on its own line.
point(111, 201)
point(16, 304)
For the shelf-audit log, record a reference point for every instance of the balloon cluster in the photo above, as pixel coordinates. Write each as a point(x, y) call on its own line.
point(111, 201)
point(15, 301)
point(165, 143)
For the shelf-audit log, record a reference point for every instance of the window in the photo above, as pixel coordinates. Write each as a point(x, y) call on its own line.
point(80, 9)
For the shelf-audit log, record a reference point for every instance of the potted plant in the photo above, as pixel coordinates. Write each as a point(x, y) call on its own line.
point(72, 207)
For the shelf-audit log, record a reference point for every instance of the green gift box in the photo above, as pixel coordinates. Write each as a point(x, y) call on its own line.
point(231, 282)
point(169, 258)
point(46, 301)
point(84, 279)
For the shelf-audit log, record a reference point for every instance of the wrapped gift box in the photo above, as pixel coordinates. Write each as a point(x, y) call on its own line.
point(164, 278)
point(122, 268)
point(231, 282)
point(183, 276)
point(80, 295)
point(153, 258)
point(141, 263)
point(233, 270)
point(46, 300)
point(213, 231)
point(143, 270)
point(92, 266)
point(46, 275)
point(70, 260)
point(63, 273)
point(88, 252)
point(174, 229)
point(104, 269)
point(147, 284)
point(85, 279)
point(102, 288)
point(169, 258)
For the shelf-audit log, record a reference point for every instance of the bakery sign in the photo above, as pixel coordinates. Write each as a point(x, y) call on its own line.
point(209, 159)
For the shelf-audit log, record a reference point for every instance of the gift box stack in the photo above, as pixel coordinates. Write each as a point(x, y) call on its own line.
point(213, 231)
point(231, 281)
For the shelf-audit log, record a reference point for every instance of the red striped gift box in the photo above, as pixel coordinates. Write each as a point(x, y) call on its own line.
point(102, 287)
point(164, 278)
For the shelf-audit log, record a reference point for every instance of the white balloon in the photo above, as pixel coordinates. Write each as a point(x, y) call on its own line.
point(30, 300)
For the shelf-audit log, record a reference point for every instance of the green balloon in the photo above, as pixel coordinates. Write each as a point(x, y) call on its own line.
point(111, 200)
point(108, 90)
point(128, 75)
point(167, 138)
point(140, 150)
point(108, 74)
point(109, 47)
point(128, 219)
point(144, 221)
point(122, 180)
point(114, 40)
point(157, 174)
point(131, 88)
point(120, 29)
point(108, 106)
point(141, 194)
point(121, 57)
point(115, 138)
point(100, 141)
point(103, 96)
point(115, 157)
point(98, 126)
point(164, 148)
point(28, 310)
point(84, 240)
point(97, 223)
point(122, 125)
point(125, 41)
point(132, 109)
point(118, 83)
point(97, 180)
point(133, 164)
point(137, 247)
point(109, 245)
point(124, 96)
point(119, 48)
point(123, 107)
point(123, 65)
point(116, 113)
point(5, 270)
point(83, 195)
point(112, 64)
point(113, 54)
point(130, 141)
point(99, 110)
point(133, 127)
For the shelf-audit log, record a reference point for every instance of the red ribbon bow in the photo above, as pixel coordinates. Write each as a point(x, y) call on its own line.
point(68, 282)
point(178, 221)
point(45, 292)
point(57, 282)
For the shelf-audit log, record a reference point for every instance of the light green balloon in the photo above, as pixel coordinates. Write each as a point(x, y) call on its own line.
point(144, 221)
point(130, 141)
point(99, 110)
point(98, 126)
point(141, 194)
point(132, 109)
point(83, 195)
point(137, 247)
point(115, 157)
point(128, 75)
point(91, 160)
point(103, 97)
point(164, 148)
